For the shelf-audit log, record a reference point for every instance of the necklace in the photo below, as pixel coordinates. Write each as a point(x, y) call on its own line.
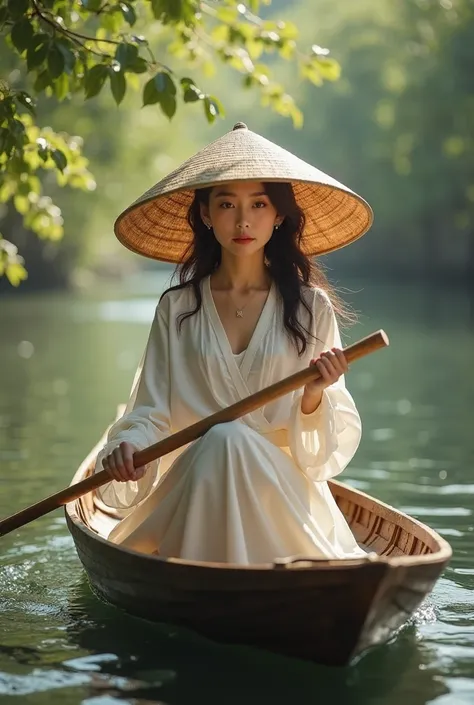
point(239, 312)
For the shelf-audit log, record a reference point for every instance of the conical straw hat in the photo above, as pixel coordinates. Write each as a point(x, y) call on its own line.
point(156, 226)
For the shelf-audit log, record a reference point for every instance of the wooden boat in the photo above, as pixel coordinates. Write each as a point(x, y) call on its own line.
point(319, 610)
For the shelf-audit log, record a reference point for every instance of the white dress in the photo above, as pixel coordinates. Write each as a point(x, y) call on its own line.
point(248, 491)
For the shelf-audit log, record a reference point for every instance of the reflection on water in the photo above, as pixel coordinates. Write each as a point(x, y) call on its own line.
point(67, 361)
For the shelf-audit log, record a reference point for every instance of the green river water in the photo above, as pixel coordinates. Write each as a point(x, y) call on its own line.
point(66, 361)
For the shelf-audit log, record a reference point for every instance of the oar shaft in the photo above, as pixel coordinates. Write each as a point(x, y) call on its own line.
point(191, 433)
point(245, 406)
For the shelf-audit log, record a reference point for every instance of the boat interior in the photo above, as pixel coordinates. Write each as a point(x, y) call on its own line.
point(378, 528)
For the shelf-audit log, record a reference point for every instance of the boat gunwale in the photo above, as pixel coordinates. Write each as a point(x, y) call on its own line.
point(297, 563)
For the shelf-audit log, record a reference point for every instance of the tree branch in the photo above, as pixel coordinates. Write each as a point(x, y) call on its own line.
point(70, 32)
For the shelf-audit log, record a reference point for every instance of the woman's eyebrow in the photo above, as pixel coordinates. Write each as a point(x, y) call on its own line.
point(230, 193)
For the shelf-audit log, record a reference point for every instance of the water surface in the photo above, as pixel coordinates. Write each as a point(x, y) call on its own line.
point(66, 361)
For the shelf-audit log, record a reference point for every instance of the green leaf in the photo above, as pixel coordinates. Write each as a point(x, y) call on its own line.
point(16, 273)
point(161, 89)
point(151, 95)
point(118, 85)
point(211, 108)
point(61, 86)
point(55, 61)
point(59, 159)
point(175, 11)
point(17, 129)
point(165, 83)
point(218, 106)
point(42, 80)
point(138, 66)
point(95, 79)
point(167, 93)
point(68, 54)
point(17, 8)
point(126, 55)
point(3, 139)
point(7, 108)
point(310, 71)
point(26, 101)
point(168, 104)
point(157, 8)
point(112, 20)
point(191, 92)
point(91, 5)
point(21, 204)
point(37, 51)
point(43, 153)
point(297, 117)
point(9, 144)
point(21, 34)
point(128, 13)
point(328, 68)
point(160, 81)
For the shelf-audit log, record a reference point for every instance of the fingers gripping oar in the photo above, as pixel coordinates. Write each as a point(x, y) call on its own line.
point(365, 346)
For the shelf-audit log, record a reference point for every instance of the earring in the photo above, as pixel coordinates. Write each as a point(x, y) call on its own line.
point(277, 226)
point(209, 226)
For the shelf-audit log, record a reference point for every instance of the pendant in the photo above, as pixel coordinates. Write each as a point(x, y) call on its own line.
point(239, 313)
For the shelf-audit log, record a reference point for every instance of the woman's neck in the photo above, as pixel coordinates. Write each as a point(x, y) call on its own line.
point(241, 273)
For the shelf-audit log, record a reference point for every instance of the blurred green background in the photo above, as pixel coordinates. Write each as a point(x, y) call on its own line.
point(397, 127)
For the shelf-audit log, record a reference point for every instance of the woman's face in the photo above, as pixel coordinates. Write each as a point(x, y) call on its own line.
point(241, 215)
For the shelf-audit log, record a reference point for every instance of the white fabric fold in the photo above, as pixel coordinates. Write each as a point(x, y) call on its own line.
point(240, 479)
point(323, 443)
point(146, 419)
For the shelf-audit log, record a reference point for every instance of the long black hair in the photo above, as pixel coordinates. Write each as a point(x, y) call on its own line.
point(289, 268)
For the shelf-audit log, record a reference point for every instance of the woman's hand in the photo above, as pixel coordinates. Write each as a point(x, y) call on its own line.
point(119, 463)
point(332, 364)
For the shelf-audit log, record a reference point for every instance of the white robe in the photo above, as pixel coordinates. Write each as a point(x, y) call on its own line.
point(248, 491)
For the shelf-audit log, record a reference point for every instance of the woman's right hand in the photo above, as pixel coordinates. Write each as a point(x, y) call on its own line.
point(119, 464)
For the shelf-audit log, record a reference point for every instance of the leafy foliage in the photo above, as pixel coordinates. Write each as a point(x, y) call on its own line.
point(11, 263)
point(398, 128)
point(81, 47)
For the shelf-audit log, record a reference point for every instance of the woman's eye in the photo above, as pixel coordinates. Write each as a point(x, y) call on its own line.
point(260, 204)
point(226, 204)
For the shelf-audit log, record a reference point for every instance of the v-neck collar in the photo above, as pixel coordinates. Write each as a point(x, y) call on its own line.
point(239, 373)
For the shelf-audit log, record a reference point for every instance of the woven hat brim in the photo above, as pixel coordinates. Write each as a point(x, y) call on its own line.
point(159, 228)
point(156, 224)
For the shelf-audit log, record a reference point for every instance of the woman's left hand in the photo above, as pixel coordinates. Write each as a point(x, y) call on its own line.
point(332, 364)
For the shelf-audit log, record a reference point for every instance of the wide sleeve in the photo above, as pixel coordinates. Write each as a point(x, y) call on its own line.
point(146, 419)
point(324, 442)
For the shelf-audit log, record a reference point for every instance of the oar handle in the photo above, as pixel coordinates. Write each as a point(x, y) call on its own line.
point(363, 347)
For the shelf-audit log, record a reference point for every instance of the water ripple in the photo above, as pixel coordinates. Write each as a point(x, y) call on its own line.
point(60, 644)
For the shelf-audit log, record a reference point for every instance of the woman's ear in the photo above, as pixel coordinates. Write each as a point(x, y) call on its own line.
point(204, 211)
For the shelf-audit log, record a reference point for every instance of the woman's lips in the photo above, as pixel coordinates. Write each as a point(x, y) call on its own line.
point(243, 240)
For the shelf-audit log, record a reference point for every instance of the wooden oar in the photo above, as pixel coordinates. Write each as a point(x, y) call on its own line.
point(191, 433)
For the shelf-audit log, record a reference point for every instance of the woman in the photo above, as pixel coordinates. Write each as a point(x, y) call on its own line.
point(250, 309)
